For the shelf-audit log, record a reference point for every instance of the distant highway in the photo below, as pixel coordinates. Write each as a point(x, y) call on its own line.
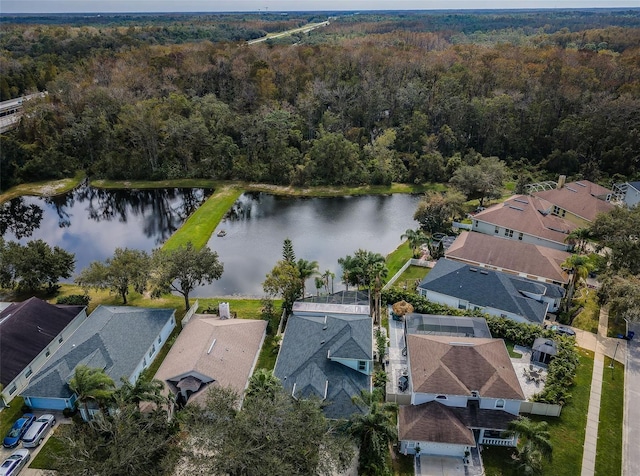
point(11, 110)
point(302, 29)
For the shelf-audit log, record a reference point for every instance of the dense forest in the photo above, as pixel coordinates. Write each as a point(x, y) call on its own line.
point(371, 98)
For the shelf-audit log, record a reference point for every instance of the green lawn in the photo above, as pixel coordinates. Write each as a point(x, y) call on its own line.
point(609, 450)
point(398, 257)
point(10, 414)
point(407, 280)
point(200, 225)
point(590, 313)
point(567, 431)
point(46, 458)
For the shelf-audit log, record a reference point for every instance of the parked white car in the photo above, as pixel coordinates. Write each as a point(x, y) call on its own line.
point(14, 463)
point(38, 431)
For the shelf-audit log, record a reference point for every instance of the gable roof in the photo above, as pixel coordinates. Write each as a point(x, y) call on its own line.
point(306, 358)
point(488, 288)
point(582, 198)
point(530, 215)
point(461, 365)
point(512, 255)
point(220, 350)
point(115, 338)
point(26, 329)
point(435, 422)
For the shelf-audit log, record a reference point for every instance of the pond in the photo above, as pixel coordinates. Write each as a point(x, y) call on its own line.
point(321, 229)
point(92, 222)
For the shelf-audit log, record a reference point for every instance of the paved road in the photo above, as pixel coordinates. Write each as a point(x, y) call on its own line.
point(631, 420)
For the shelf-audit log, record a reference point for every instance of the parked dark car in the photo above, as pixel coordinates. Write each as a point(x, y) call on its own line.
point(563, 331)
point(18, 430)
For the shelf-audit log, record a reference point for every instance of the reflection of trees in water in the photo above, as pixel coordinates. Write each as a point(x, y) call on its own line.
point(164, 210)
point(61, 203)
point(19, 219)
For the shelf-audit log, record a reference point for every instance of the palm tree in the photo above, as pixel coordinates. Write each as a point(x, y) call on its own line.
point(579, 237)
point(140, 391)
point(326, 276)
point(378, 272)
point(374, 430)
point(263, 384)
point(580, 266)
point(528, 461)
point(90, 384)
point(306, 270)
point(415, 238)
point(534, 435)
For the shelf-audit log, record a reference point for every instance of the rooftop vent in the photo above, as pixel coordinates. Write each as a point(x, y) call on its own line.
point(513, 207)
point(571, 189)
point(520, 200)
point(473, 269)
point(580, 184)
point(484, 272)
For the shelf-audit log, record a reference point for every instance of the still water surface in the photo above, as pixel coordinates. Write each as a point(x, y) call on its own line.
point(321, 229)
point(92, 223)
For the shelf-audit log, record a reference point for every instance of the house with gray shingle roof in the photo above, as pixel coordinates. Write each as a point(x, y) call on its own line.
point(122, 340)
point(462, 286)
point(30, 332)
point(327, 353)
point(464, 392)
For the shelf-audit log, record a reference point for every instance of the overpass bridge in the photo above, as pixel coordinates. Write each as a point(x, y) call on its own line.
point(11, 110)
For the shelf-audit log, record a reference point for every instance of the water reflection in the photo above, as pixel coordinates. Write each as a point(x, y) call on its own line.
point(93, 222)
point(19, 218)
point(322, 229)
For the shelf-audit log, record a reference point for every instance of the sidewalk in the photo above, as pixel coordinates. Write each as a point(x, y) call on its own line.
point(593, 415)
point(631, 419)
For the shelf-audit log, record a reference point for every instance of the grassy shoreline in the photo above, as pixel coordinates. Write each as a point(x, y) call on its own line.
point(43, 189)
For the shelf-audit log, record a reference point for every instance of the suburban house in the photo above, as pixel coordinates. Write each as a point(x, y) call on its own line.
point(463, 286)
point(122, 340)
point(30, 332)
point(327, 351)
point(464, 393)
point(525, 218)
point(579, 202)
point(628, 192)
point(526, 260)
point(211, 351)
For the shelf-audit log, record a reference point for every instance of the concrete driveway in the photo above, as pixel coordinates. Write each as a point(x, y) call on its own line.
point(4, 452)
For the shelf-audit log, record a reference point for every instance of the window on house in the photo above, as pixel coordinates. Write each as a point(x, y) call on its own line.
point(500, 403)
point(47, 353)
point(159, 339)
point(496, 230)
point(172, 320)
point(362, 365)
point(475, 223)
point(60, 340)
point(462, 305)
point(28, 373)
point(508, 233)
point(503, 315)
point(12, 390)
point(152, 351)
point(144, 362)
point(441, 397)
point(520, 235)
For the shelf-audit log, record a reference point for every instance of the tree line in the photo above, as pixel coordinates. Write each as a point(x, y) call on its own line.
point(399, 106)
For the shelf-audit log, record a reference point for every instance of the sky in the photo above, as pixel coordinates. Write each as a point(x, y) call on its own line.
point(106, 6)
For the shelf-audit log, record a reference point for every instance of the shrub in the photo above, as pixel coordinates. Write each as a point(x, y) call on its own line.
point(69, 412)
point(74, 300)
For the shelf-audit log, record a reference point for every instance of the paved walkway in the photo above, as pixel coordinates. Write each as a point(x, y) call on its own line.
point(593, 415)
point(631, 419)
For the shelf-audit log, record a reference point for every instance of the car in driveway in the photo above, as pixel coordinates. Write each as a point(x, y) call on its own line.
point(18, 430)
point(14, 463)
point(38, 431)
point(562, 330)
